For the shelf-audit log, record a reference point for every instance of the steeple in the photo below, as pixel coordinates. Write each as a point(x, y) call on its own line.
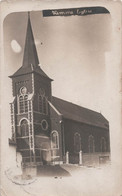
point(30, 52)
point(30, 62)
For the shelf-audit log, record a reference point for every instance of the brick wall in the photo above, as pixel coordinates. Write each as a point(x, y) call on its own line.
point(89, 159)
point(56, 126)
point(71, 127)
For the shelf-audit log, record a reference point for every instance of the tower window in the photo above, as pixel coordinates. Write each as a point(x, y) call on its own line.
point(44, 105)
point(91, 144)
point(26, 103)
point(23, 100)
point(23, 103)
point(44, 124)
point(24, 128)
point(42, 102)
point(77, 142)
point(55, 140)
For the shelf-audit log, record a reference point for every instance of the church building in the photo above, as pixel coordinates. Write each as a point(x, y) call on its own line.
point(47, 129)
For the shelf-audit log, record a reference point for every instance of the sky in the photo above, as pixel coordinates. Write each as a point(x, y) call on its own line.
point(71, 51)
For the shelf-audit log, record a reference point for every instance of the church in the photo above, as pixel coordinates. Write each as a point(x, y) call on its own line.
point(47, 129)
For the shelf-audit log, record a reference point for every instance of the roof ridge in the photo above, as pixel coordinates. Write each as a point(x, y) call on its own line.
point(78, 113)
point(30, 69)
point(77, 105)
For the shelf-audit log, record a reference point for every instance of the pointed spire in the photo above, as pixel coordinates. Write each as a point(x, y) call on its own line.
point(28, 15)
point(30, 52)
point(30, 60)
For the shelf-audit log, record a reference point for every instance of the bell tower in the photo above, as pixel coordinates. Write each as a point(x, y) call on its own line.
point(30, 116)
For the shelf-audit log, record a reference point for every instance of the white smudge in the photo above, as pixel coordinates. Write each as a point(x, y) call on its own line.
point(15, 46)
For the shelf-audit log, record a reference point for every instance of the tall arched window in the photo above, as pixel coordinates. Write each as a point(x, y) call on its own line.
point(42, 102)
point(77, 142)
point(103, 144)
point(23, 100)
point(91, 144)
point(44, 105)
point(26, 103)
point(21, 104)
point(54, 140)
point(24, 128)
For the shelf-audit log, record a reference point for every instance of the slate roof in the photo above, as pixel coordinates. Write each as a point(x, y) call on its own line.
point(80, 114)
point(30, 52)
point(30, 69)
point(30, 59)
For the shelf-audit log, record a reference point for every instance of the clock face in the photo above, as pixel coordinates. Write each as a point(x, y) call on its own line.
point(23, 90)
point(44, 124)
point(42, 91)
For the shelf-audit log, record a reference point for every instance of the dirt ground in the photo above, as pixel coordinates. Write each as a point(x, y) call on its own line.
point(64, 180)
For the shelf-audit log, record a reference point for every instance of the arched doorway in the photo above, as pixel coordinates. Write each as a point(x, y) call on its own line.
point(24, 128)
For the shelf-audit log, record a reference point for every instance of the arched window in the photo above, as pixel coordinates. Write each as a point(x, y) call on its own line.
point(54, 140)
point(91, 144)
point(26, 103)
point(21, 104)
point(77, 142)
point(24, 128)
point(103, 144)
point(42, 102)
point(44, 105)
point(23, 100)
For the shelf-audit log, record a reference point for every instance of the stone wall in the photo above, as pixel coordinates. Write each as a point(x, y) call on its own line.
point(88, 159)
point(95, 159)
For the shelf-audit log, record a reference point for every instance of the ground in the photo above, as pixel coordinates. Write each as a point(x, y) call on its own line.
point(65, 180)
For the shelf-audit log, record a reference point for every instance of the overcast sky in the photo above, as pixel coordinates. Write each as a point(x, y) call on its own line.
point(72, 51)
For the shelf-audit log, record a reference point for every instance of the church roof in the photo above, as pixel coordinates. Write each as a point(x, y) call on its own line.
point(30, 69)
point(80, 114)
point(30, 59)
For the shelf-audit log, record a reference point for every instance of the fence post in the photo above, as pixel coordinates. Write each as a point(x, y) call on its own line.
point(67, 157)
point(53, 157)
point(80, 157)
